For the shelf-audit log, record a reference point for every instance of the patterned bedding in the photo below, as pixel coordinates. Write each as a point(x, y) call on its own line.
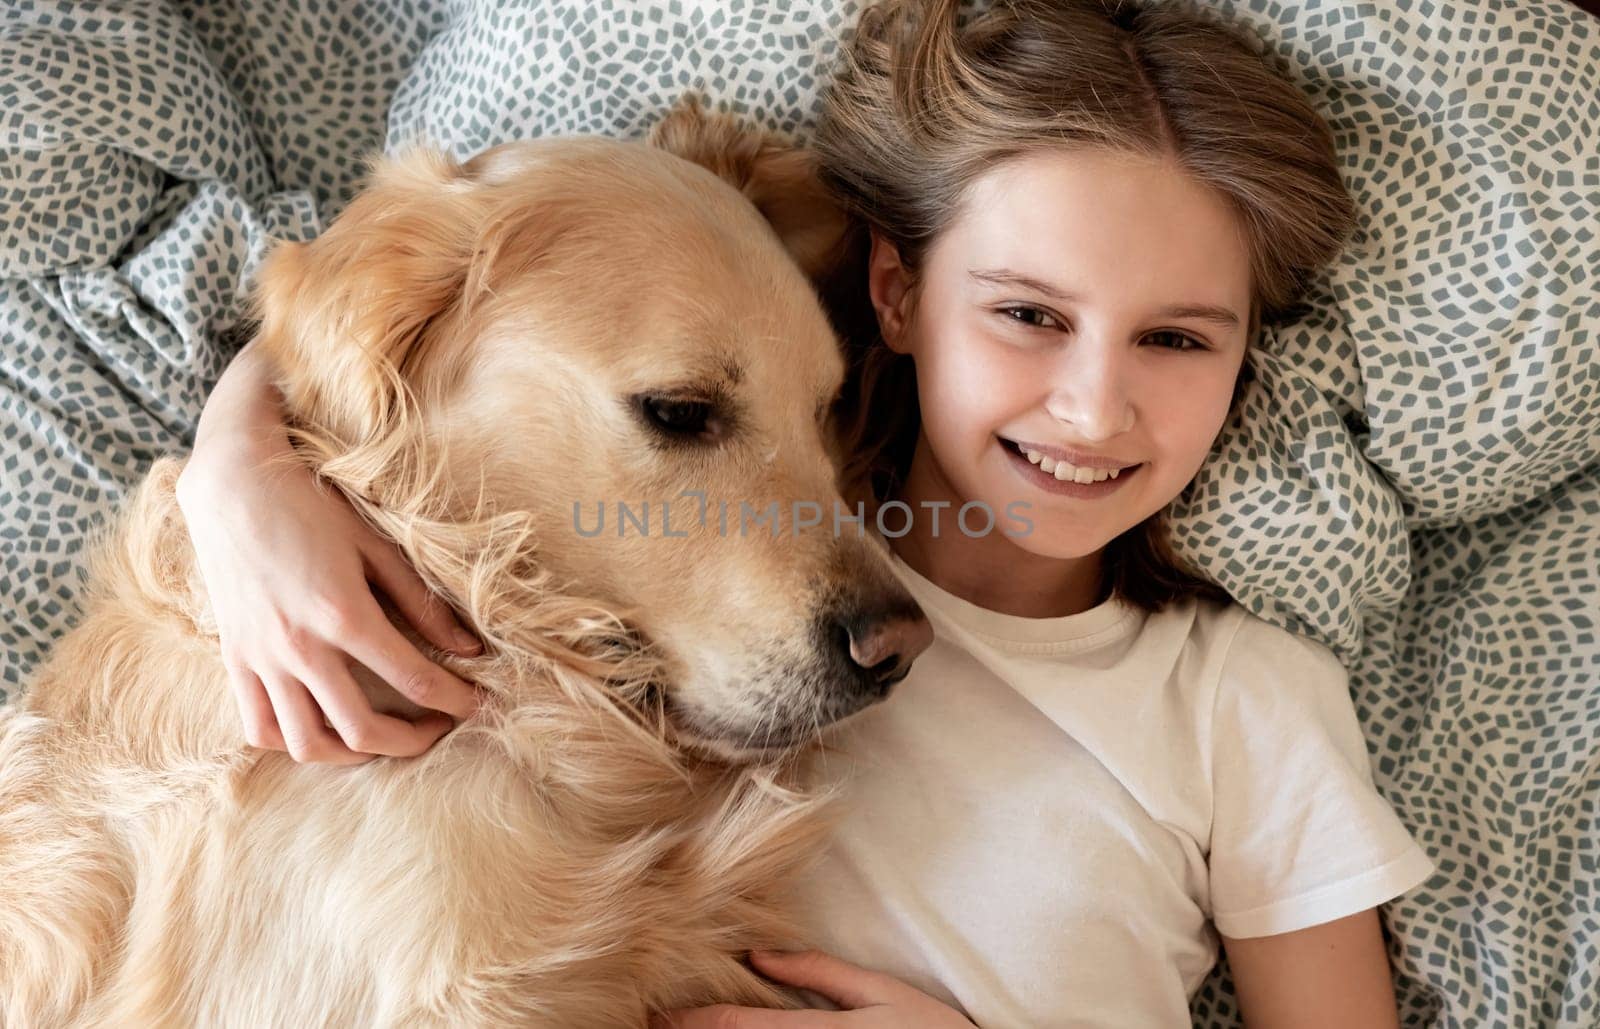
point(1415, 479)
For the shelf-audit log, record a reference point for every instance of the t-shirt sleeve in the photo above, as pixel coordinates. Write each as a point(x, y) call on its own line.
point(1300, 835)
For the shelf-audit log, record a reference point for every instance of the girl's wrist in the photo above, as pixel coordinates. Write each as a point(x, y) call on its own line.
point(240, 427)
point(245, 404)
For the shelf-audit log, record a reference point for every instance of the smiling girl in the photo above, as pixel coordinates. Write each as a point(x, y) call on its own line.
point(1079, 216)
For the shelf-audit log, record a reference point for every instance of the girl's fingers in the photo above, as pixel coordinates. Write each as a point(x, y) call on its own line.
point(849, 986)
point(423, 608)
point(381, 647)
point(255, 709)
point(305, 736)
point(727, 1016)
point(358, 726)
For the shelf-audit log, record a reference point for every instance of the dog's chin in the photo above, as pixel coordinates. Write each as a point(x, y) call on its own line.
point(730, 747)
point(733, 752)
point(730, 752)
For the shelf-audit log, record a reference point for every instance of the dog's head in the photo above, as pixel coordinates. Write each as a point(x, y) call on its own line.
point(617, 343)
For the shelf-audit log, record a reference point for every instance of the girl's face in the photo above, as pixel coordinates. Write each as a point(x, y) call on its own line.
point(1091, 307)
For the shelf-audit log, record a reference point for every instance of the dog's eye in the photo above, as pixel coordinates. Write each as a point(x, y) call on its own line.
point(683, 418)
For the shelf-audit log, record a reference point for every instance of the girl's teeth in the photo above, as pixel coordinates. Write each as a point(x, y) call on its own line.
point(1065, 472)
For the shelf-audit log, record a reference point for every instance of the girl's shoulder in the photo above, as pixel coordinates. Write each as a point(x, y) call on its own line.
point(1237, 635)
point(1231, 657)
point(1266, 675)
point(1257, 636)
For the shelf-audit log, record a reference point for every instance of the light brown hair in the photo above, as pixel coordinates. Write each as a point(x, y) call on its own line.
point(924, 102)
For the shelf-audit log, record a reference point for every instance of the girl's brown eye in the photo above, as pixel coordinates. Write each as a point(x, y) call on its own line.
point(1176, 341)
point(1031, 316)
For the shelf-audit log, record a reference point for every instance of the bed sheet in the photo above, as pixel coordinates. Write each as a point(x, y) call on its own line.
point(1415, 478)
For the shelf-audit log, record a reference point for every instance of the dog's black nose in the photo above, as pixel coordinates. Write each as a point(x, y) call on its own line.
point(881, 644)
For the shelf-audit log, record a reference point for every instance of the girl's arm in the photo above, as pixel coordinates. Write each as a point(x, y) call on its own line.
point(290, 569)
point(1335, 975)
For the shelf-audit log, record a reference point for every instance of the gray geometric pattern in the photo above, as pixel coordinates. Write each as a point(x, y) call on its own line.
point(1414, 478)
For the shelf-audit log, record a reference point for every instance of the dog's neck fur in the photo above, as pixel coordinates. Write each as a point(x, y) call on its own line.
point(561, 684)
point(700, 854)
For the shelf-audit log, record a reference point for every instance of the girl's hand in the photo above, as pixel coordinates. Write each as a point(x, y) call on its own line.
point(869, 999)
point(290, 569)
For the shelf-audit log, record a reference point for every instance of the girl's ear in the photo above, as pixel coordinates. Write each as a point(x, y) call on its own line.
point(889, 283)
point(774, 172)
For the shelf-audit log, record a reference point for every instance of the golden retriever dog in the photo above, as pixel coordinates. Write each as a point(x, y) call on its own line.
point(480, 355)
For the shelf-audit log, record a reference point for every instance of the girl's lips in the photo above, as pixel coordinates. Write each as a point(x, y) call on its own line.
point(1050, 484)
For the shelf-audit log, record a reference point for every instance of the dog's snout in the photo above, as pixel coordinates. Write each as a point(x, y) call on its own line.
point(882, 644)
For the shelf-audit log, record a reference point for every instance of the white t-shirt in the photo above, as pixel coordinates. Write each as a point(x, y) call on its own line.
point(1045, 819)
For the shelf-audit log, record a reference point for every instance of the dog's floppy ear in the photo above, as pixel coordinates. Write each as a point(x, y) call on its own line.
point(348, 317)
point(777, 175)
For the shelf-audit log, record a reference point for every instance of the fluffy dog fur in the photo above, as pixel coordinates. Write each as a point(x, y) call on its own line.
point(459, 355)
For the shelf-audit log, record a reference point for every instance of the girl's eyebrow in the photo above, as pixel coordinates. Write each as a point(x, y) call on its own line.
point(1203, 312)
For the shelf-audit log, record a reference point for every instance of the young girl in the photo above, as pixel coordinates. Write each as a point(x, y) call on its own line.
point(1080, 214)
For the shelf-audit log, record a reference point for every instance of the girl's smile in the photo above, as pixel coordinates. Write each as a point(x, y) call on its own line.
point(1090, 480)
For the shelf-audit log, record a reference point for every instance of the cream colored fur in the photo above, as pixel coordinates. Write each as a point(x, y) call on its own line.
point(605, 837)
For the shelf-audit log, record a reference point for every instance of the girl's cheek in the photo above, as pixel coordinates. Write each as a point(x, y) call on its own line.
point(974, 370)
point(1205, 378)
point(1188, 411)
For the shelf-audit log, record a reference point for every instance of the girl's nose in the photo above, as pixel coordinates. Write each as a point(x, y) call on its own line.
point(1088, 394)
